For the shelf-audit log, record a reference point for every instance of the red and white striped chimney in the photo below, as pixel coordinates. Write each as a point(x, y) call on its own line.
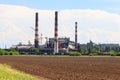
point(56, 50)
point(36, 41)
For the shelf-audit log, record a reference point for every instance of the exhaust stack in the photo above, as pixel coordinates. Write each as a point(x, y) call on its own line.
point(56, 50)
point(36, 41)
point(76, 35)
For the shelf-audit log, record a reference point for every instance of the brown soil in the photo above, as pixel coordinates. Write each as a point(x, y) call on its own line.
point(67, 68)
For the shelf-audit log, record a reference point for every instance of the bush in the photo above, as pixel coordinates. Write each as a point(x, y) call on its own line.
point(112, 53)
point(74, 54)
point(118, 54)
point(13, 53)
point(10, 52)
point(91, 54)
point(6, 53)
point(99, 53)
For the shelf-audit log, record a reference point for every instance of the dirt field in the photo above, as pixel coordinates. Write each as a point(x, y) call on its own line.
point(67, 68)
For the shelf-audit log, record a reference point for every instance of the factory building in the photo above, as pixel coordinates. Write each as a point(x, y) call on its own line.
point(23, 48)
point(64, 45)
point(54, 45)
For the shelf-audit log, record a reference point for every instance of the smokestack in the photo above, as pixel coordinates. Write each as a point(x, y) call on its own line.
point(75, 34)
point(56, 34)
point(36, 41)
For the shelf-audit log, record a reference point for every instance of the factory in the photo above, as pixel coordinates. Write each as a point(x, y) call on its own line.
point(54, 45)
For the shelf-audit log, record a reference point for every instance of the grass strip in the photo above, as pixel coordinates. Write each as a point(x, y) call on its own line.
point(7, 73)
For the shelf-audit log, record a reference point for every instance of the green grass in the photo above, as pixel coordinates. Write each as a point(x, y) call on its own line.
point(7, 73)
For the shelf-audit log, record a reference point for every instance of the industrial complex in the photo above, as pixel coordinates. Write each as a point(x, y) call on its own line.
point(62, 45)
point(54, 45)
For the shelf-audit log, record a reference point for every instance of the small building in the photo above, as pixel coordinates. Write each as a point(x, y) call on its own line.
point(22, 48)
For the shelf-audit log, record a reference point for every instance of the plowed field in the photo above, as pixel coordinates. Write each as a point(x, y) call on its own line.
point(66, 68)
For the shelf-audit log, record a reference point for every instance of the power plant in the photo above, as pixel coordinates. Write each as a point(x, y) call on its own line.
point(57, 45)
point(54, 45)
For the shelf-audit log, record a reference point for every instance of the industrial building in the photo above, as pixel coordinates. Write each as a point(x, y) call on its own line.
point(54, 45)
point(64, 45)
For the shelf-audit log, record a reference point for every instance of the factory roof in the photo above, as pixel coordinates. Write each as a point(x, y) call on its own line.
point(22, 46)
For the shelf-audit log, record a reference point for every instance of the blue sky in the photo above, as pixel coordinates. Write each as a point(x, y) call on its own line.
point(107, 5)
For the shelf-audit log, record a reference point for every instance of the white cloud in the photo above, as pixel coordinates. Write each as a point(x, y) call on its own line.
point(100, 26)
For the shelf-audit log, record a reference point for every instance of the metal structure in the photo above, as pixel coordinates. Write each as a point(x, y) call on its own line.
point(56, 49)
point(36, 41)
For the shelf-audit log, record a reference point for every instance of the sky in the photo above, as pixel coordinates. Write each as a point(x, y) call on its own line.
point(107, 5)
point(98, 20)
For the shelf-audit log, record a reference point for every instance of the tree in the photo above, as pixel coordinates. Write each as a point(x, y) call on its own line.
point(2, 52)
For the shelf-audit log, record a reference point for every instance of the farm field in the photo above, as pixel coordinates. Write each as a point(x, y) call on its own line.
point(66, 68)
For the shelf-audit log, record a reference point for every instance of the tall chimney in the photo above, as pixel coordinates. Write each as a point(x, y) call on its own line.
point(36, 41)
point(76, 35)
point(56, 34)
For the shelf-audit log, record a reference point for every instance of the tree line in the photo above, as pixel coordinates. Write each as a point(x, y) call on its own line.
point(91, 48)
point(8, 52)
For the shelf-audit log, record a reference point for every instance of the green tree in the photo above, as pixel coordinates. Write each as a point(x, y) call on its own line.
point(2, 52)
